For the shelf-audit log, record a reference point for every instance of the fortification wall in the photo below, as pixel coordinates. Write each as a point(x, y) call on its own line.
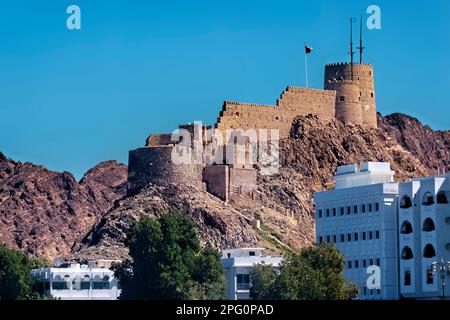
point(217, 180)
point(363, 73)
point(154, 165)
point(293, 102)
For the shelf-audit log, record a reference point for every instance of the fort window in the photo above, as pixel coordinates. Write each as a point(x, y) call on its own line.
point(407, 253)
point(429, 251)
point(428, 199)
point(442, 198)
point(406, 228)
point(371, 94)
point(428, 225)
point(407, 278)
point(341, 98)
point(406, 202)
point(370, 73)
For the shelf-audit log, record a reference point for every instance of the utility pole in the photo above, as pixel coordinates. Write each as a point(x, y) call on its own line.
point(361, 48)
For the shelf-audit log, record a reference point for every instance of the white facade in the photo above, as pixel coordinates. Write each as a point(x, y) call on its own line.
point(360, 218)
point(238, 264)
point(78, 282)
point(424, 235)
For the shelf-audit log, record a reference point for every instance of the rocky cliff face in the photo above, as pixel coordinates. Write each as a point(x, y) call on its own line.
point(45, 213)
point(48, 213)
point(282, 206)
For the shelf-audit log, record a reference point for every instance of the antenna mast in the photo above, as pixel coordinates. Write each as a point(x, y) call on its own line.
point(361, 48)
point(351, 45)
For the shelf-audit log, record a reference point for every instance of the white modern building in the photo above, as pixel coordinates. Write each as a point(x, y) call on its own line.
point(238, 264)
point(79, 282)
point(360, 218)
point(424, 237)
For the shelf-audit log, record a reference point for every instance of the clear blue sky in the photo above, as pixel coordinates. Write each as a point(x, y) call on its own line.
point(70, 99)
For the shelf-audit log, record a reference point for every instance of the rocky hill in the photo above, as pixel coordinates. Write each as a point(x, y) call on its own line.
point(279, 215)
point(45, 213)
point(48, 213)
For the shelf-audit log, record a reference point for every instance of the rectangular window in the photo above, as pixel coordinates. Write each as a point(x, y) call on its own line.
point(334, 239)
point(334, 212)
point(349, 210)
point(320, 213)
point(365, 290)
point(342, 211)
point(328, 238)
point(378, 291)
point(364, 263)
point(378, 262)
point(349, 264)
point(60, 285)
point(349, 237)
point(370, 207)
point(355, 236)
point(363, 208)
point(364, 235)
point(328, 212)
point(243, 281)
point(370, 262)
point(355, 209)
point(356, 264)
point(320, 240)
point(377, 234)
point(85, 285)
point(377, 206)
point(407, 279)
point(100, 285)
point(252, 253)
point(370, 235)
point(342, 237)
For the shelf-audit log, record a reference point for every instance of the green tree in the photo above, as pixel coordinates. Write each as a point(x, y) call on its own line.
point(16, 282)
point(315, 273)
point(169, 263)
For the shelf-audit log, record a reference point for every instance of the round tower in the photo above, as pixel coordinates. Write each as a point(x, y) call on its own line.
point(363, 74)
point(348, 104)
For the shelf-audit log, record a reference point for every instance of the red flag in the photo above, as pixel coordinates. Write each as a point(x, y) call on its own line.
point(308, 49)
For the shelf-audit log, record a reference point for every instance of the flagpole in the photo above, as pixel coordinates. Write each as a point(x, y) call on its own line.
point(306, 68)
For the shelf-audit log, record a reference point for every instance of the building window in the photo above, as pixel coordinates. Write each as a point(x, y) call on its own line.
point(349, 237)
point(407, 253)
point(370, 207)
point(349, 264)
point(378, 291)
point(365, 291)
point(364, 263)
point(356, 264)
point(342, 211)
point(342, 238)
point(428, 225)
point(355, 209)
point(370, 235)
point(378, 262)
point(60, 285)
point(334, 239)
point(428, 199)
point(342, 98)
point(243, 281)
point(377, 234)
point(252, 253)
point(371, 94)
point(85, 285)
point(442, 198)
point(320, 240)
point(407, 278)
point(328, 238)
point(349, 210)
point(355, 236)
point(429, 251)
point(363, 208)
point(406, 202)
point(100, 285)
point(320, 213)
point(377, 206)
point(406, 228)
point(328, 212)
point(370, 262)
point(334, 212)
point(364, 235)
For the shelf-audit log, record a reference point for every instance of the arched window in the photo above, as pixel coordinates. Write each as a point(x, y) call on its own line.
point(442, 198)
point(406, 228)
point(428, 199)
point(429, 251)
point(428, 225)
point(342, 98)
point(406, 202)
point(407, 253)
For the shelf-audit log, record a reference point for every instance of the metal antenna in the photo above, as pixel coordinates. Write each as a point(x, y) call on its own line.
point(351, 45)
point(361, 48)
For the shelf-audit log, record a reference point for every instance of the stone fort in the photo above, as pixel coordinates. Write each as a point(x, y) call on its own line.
point(348, 95)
